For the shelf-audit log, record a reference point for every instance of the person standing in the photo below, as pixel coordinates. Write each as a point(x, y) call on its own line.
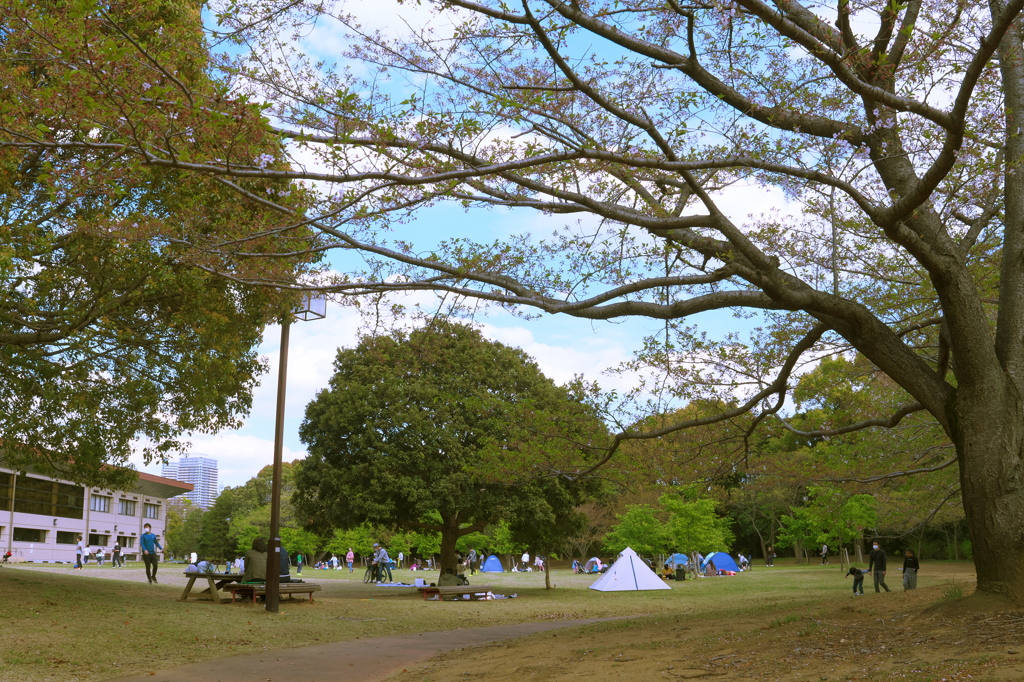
point(149, 544)
point(381, 559)
point(401, 558)
point(115, 557)
point(298, 562)
point(350, 557)
point(471, 560)
point(85, 554)
point(824, 554)
point(910, 568)
point(877, 566)
point(99, 556)
point(769, 556)
point(79, 553)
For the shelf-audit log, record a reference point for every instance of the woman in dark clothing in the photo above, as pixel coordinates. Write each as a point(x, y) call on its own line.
point(910, 569)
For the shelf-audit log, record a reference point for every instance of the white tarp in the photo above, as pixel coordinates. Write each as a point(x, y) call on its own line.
point(629, 572)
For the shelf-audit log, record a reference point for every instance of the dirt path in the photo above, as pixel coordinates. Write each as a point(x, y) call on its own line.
point(363, 660)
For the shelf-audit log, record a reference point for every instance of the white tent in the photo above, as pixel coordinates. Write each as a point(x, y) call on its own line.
point(629, 572)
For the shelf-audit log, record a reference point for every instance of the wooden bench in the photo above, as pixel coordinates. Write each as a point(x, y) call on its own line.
point(217, 581)
point(474, 592)
point(260, 589)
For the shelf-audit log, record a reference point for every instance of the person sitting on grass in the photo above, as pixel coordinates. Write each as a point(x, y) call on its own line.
point(858, 580)
point(448, 579)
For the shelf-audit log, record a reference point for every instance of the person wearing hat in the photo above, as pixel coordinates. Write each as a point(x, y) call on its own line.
point(381, 559)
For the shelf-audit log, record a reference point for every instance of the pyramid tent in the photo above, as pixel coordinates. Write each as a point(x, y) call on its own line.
point(492, 565)
point(629, 572)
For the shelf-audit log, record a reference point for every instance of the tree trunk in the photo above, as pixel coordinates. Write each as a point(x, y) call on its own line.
point(989, 438)
point(449, 537)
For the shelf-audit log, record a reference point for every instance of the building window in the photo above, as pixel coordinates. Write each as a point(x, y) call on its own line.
point(126, 507)
point(29, 535)
point(69, 502)
point(5, 492)
point(125, 541)
point(66, 537)
point(96, 540)
point(99, 503)
point(151, 511)
point(48, 498)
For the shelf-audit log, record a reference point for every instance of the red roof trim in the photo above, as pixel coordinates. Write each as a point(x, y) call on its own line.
point(185, 487)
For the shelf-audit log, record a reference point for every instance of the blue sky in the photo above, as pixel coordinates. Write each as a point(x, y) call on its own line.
point(562, 346)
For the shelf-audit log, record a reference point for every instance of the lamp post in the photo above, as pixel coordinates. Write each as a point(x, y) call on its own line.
point(312, 307)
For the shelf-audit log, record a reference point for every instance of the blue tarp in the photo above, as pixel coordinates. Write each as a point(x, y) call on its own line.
point(492, 565)
point(721, 560)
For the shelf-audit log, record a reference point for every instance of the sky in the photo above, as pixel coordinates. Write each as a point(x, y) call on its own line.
point(563, 347)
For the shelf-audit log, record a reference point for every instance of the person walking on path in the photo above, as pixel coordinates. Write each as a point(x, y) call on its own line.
point(149, 544)
point(350, 557)
point(877, 566)
point(79, 552)
point(471, 561)
point(910, 568)
point(824, 554)
point(401, 558)
point(115, 556)
point(99, 556)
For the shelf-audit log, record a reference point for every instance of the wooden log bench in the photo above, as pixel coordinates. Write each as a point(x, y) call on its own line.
point(474, 592)
point(260, 589)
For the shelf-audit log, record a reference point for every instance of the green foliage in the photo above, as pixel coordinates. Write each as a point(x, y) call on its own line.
point(112, 330)
point(184, 530)
point(831, 516)
point(299, 541)
point(441, 430)
point(694, 526)
point(640, 529)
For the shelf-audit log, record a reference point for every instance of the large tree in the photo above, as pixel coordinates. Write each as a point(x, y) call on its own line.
point(113, 324)
point(893, 129)
point(442, 430)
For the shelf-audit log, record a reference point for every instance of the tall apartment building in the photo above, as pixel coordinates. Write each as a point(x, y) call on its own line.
point(201, 472)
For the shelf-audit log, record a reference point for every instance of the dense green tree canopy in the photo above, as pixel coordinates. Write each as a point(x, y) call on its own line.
point(115, 323)
point(439, 429)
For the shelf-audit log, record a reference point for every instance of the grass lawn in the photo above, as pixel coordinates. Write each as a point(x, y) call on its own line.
point(100, 623)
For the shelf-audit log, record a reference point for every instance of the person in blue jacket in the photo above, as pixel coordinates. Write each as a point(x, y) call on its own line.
point(149, 545)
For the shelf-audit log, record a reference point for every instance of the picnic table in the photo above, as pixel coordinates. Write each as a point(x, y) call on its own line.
point(258, 589)
point(474, 592)
point(216, 581)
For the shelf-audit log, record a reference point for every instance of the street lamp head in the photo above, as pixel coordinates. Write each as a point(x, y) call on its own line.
point(313, 306)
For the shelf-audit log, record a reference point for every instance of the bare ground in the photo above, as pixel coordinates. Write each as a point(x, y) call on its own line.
point(874, 637)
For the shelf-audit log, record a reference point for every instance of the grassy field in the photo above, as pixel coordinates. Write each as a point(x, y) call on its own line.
point(100, 623)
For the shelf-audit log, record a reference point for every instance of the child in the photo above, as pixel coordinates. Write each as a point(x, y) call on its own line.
point(858, 580)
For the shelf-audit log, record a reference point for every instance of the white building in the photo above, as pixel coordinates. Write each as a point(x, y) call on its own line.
point(41, 518)
point(201, 472)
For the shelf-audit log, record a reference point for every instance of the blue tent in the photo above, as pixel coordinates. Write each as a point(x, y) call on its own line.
point(721, 560)
point(679, 560)
point(492, 565)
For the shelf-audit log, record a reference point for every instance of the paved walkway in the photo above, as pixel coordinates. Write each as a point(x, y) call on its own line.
point(362, 660)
